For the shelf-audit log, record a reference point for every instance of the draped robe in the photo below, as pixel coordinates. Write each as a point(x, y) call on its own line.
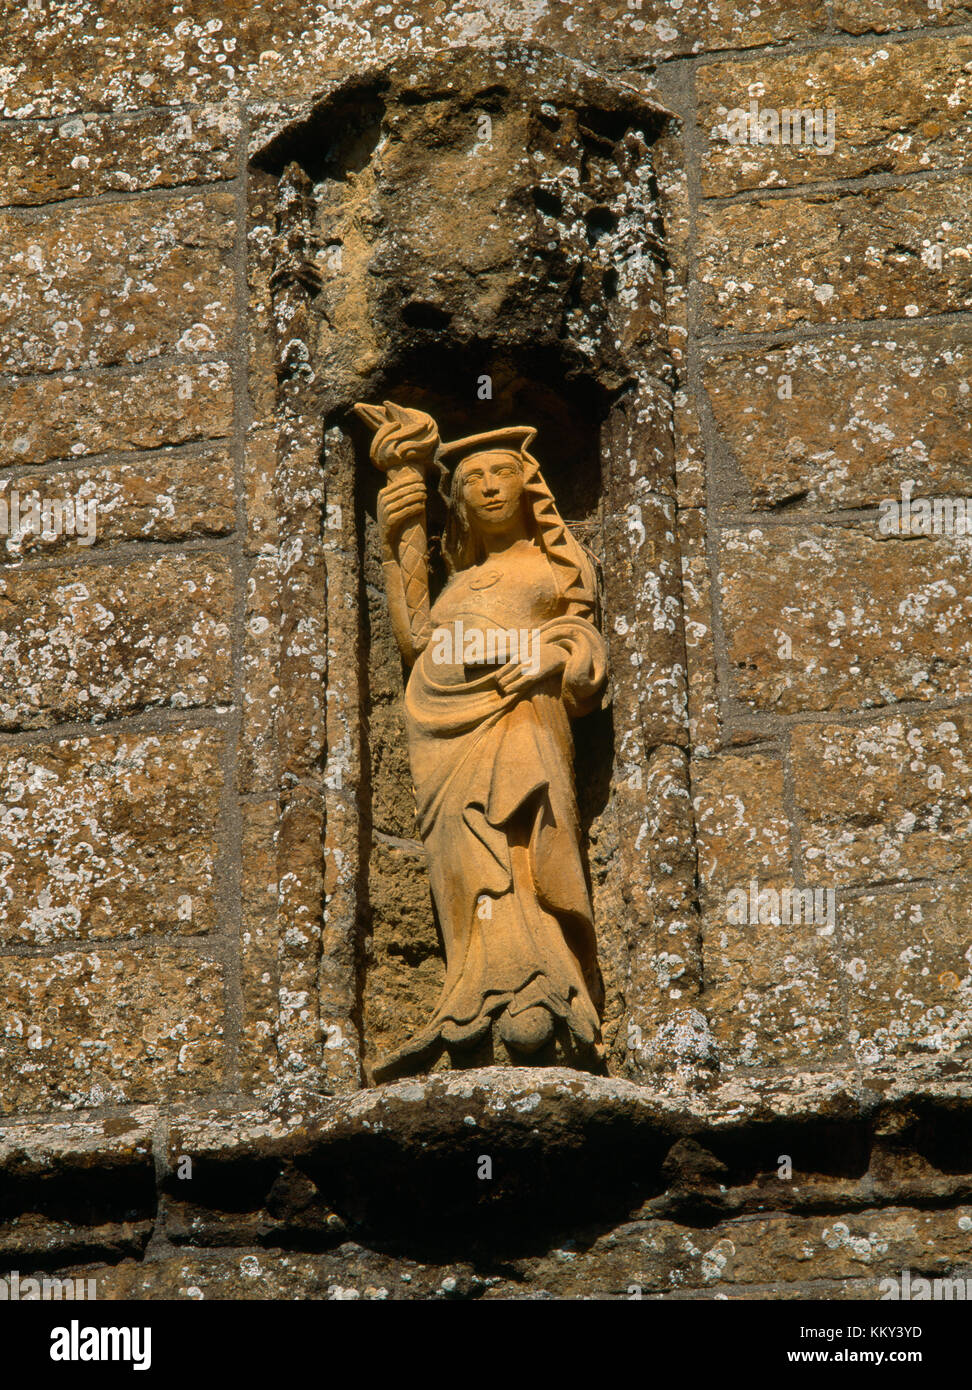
point(497, 812)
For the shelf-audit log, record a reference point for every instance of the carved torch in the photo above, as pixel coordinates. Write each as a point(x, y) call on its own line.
point(403, 448)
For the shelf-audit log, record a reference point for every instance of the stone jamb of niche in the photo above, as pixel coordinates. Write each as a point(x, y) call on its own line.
point(330, 325)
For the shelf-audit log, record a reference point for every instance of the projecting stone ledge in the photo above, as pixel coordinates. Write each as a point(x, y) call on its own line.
point(553, 1103)
point(488, 1160)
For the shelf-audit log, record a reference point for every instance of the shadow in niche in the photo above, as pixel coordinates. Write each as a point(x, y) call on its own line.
point(337, 139)
point(593, 763)
point(443, 379)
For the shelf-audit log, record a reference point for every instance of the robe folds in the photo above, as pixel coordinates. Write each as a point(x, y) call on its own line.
point(497, 812)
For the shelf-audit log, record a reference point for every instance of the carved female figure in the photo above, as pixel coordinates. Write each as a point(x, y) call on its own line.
point(500, 663)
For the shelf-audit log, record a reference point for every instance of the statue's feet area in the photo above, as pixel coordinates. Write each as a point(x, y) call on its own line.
point(531, 1036)
point(526, 1031)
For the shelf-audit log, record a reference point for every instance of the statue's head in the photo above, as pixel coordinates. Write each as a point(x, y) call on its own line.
point(496, 487)
point(487, 490)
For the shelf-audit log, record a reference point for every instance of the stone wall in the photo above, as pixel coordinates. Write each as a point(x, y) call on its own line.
point(213, 905)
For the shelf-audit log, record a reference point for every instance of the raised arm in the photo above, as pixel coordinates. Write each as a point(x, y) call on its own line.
point(403, 447)
point(402, 524)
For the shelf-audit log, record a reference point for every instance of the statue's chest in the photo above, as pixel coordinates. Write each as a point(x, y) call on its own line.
point(511, 591)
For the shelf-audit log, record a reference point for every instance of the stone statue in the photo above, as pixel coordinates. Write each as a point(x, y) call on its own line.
point(500, 663)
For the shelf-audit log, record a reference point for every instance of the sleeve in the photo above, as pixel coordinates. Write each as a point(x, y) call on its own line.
point(586, 669)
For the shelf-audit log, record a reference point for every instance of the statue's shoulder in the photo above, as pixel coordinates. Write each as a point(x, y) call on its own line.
point(453, 586)
point(458, 579)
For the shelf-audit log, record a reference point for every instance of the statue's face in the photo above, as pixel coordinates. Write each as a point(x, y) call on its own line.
point(492, 486)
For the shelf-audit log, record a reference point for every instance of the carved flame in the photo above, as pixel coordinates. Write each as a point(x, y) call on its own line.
point(402, 435)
